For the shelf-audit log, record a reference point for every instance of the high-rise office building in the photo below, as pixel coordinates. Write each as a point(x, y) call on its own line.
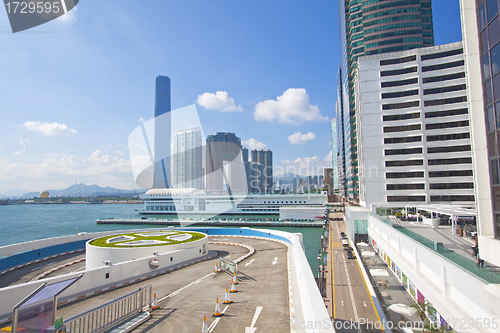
point(333, 174)
point(370, 27)
point(264, 157)
point(481, 33)
point(187, 159)
point(414, 141)
point(162, 126)
point(225, 167)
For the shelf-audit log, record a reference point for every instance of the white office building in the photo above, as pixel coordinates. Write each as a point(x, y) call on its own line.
point(187, 159)
point(413, 128)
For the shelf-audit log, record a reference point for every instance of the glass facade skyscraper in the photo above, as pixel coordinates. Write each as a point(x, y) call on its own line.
point(162, 129)
point(370, 27)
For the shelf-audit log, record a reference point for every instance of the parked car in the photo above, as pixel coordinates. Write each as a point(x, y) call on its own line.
point(350, 255)
point(342, 234)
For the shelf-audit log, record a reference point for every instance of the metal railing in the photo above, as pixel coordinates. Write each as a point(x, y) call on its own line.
point(112, 313)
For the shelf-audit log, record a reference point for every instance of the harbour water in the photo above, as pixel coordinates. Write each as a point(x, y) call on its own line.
point(22, 223)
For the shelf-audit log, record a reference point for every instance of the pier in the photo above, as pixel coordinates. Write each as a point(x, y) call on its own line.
point(210, 223)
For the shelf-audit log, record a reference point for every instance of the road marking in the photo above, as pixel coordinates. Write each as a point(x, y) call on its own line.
point(216, 321)
point(342, 302)
point(79, 269)
point(256, 315)
point(248, 263)
point(364, 303)
point(35, 269)
point(275, 261)
point(185, 287)
point(350, 290)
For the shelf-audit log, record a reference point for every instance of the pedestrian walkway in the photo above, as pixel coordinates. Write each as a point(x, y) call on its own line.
point(455, 248)
point(388, 288)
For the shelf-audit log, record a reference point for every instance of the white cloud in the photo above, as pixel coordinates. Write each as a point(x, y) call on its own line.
point(304, 166)
point(293, 107)
point(68, 18)
point(49, 129)
point(218, 101)
point(59, 170)
point(254, 144)
point(141, 120)
point(298, 138)
point(23, 143)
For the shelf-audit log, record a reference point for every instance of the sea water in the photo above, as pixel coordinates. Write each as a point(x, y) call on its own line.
point(28, 222)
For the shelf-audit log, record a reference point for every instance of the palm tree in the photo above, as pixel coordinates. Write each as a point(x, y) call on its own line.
point(423, 310)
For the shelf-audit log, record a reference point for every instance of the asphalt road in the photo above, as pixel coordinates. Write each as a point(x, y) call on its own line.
point(352, 302)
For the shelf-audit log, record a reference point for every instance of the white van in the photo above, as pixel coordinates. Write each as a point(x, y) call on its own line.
point(345, 243)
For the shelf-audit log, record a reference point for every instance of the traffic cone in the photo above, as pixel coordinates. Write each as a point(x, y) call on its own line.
point(204, 328)
point(217, 309)
point(235, 280)
point(233, 288)
point(216, 270)
point(227, 300)
point(154, 306)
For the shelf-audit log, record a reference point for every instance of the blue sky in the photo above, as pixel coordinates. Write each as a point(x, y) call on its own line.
point(72, 90)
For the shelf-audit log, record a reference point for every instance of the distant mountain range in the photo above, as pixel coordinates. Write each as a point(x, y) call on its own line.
point(77, 190)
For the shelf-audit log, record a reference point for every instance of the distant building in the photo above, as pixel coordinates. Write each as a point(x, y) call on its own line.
point(328, 176)
point(162, 126)
point(264, 157)
point(225, 166)
point(187, 159)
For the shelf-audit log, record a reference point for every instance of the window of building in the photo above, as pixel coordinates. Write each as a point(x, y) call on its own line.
point(402, 198)
point(486, 67)
point(441, 90)
point(391, 129)
point(488, 93)
point(447, 161)
point(441, 54)
point(397, 60)
point(411, 174)
point(495, 177)
point(495, 59)
point(450, 173)
point(452, 198)
point(403, 140)
point(405, 116)
point(450, 186)
point(449, 149)
point(395, 187)
point(445, 101)
point(445, 137)
point(442, 66)
point(400, 105)
point(454, 112)
point(497, 108)
point(496, 87)
point(490, 118)
point(483, 41)
point(481, 13)
point(403, 163)
point(400, 94)
point(399, 83)
point(398, 71)
point(441, 78)
point(492, 7)
point(409, 151)
point(452, 124)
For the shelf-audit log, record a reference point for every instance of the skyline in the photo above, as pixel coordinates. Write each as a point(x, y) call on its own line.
point(76, 87)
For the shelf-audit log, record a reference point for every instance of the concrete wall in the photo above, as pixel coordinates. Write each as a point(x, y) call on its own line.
point(453, 291)
point(96, 256)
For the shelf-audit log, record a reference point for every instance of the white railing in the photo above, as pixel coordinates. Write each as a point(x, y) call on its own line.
point(112, 313)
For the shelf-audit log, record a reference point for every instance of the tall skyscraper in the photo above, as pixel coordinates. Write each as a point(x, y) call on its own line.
point(481, 33)
point(187, 159)
point(264, 157)
point(370, 27)
point(225, 168)
point(333, 174)
point(162, 126)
